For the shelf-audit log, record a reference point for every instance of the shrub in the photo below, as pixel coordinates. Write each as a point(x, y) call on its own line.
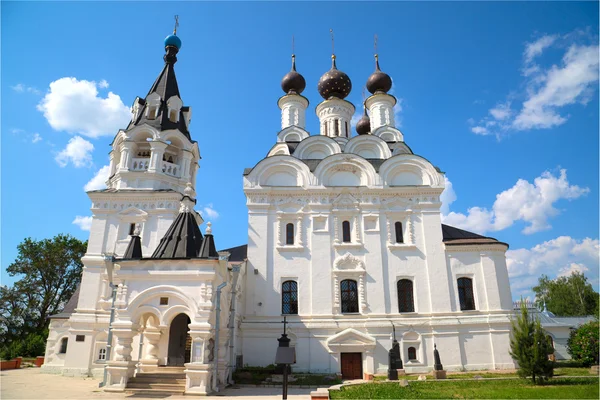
point(583, 344)
point(35, 345)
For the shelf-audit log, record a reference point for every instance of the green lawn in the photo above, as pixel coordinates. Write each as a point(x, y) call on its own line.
point(583, 388)
point(558, 372)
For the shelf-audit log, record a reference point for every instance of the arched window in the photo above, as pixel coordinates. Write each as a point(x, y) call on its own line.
point(289, 233)
point(349, 296)
point(289, 297)
point(399, 234)
point(465, 294)
point(406, 301)
point(63, 345)
point(412, 354)
point(346, 232)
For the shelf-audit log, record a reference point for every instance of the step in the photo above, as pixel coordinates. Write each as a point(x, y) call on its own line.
point(153, 386)
point(153, 392)
point(178, 381)
point(147, 375)
point(164, 369)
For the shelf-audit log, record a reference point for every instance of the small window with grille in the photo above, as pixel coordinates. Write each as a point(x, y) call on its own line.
point(80, 338)
point(289, 297)
point(349, 296)
point(102, 354)
point(164, 301)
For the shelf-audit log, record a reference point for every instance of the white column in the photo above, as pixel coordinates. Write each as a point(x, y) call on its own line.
point(126, 148)
point(156, 157)
point(185, 167)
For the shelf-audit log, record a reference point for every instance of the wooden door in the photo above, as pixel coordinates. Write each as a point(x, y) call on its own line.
point(351, 365)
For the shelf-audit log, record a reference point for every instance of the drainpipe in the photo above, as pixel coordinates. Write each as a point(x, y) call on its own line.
point(217, 322)
point(232, 309)
point(110, 259)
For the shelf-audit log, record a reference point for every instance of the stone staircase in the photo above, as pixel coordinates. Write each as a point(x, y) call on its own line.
point(158, 381)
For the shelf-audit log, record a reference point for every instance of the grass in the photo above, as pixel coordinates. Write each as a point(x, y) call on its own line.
point(558, 372)
point(569, 388)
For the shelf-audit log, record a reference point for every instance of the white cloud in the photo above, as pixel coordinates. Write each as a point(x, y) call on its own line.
point(501, 111)
point(532, 203)
point(99, 180)
point(548, 88)
point(209, 212)
point(103, 84)
point(78, 152)
point(554, 258)
point(20, 88)
point(84, 223)
point(536, 48)
point(570, 83)
point(74, 106)
point(480, 130)
point(448, 196)
point(36, 138)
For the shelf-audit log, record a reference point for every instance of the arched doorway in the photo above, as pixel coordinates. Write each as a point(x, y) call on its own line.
point(179, 341)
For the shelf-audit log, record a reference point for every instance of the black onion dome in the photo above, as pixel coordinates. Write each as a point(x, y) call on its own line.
point(334, 83)
point(293, 82)
point(363, 126)
point(379, 82)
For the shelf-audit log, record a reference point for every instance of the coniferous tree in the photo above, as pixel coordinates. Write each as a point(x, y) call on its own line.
point(529, 346)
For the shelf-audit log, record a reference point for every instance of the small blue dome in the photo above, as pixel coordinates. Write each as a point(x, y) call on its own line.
point(173, 40)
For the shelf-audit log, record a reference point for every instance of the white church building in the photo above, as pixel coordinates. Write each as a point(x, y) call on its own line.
point(345, 239)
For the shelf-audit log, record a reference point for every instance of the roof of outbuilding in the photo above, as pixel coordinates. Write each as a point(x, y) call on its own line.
point(69, 307)
point(238, 253)
point(454, 237)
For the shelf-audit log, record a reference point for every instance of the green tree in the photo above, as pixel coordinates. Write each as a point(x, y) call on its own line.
point(583, 344)
point(49, 271)
point(566, 296)
point(529, 346)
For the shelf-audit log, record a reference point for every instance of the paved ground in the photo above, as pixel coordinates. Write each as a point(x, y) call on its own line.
point(30, 383)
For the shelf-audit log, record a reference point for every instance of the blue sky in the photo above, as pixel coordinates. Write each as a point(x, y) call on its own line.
point(501, 96)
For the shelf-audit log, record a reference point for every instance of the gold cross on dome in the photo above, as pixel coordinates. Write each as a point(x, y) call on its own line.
point(176, 25)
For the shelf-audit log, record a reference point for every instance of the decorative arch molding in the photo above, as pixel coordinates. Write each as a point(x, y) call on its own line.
point(368, 146)
point(317, 147)
point(346, 170)
point(280, 171)
point(140, 132)
point(177, 138)
point(292, 134)
point(174, 311)
point(388, 134)
point(350, 340)
point(144, 297)
point(145, 309)
point(349, 266)
point(410, 170)
point(279, 149)
point(348, 262)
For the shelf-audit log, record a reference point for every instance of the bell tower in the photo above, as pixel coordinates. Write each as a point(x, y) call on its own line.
point(155, 151)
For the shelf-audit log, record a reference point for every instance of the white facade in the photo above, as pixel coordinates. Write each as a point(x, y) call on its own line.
point(371, 181)
point(350, 225)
